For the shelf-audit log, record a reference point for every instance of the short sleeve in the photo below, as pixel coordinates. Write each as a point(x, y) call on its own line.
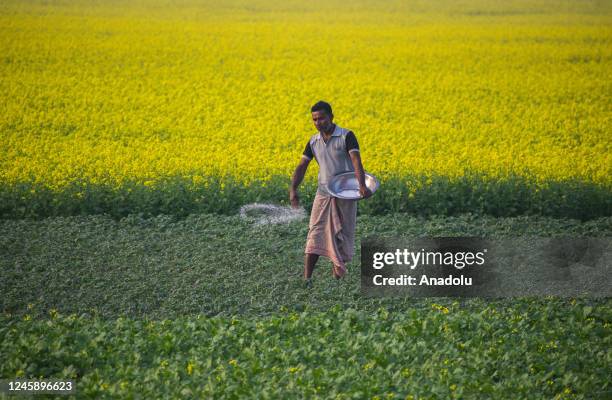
point(351, 142)
point(308, 151)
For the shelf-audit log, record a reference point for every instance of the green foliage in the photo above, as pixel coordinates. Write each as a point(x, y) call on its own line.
point(417, 195)
point(210, 306)
point(209, 264)
point(528, 350)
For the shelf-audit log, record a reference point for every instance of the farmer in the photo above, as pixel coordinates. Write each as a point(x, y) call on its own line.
point(331, 231)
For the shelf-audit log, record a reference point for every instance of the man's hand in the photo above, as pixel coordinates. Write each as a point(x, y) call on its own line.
point(365, 192)
point(294, 198)
point(296, 179)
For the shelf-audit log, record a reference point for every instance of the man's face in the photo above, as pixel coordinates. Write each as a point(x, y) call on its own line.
point(322, 121)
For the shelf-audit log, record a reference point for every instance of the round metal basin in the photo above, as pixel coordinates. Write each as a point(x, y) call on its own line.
point(345, 186)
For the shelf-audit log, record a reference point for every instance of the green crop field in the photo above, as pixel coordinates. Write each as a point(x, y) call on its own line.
point(214, 306)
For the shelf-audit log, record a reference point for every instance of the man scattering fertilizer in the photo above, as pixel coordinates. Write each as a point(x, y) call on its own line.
point(331, 230)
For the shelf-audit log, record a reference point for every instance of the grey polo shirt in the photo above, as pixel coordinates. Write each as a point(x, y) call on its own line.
point(333, 157)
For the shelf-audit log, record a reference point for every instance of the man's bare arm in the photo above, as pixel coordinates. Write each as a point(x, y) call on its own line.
point(296, 179)
point(360, 174)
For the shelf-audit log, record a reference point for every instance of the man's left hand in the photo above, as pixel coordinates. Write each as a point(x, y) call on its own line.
point(365, 192)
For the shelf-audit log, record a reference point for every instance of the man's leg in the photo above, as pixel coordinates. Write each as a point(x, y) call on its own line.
point(337, 276)
point(309, 263)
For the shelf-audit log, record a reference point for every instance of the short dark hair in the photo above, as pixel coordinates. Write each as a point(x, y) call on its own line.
point(322, 106)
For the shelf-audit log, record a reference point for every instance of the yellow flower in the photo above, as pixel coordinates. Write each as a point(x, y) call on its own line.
point(369, 365)
point(438, 307)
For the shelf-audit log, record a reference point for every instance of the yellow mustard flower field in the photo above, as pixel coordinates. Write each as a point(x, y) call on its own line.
point(485, 106)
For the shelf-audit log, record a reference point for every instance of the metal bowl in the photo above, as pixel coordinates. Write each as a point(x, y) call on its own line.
point(346, 186)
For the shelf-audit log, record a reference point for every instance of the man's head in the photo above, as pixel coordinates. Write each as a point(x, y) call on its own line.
point(322, 116)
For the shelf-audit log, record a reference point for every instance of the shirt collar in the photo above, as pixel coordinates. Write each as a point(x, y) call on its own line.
point(336, 132)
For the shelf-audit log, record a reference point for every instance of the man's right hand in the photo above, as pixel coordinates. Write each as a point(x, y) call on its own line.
point(294, 199)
